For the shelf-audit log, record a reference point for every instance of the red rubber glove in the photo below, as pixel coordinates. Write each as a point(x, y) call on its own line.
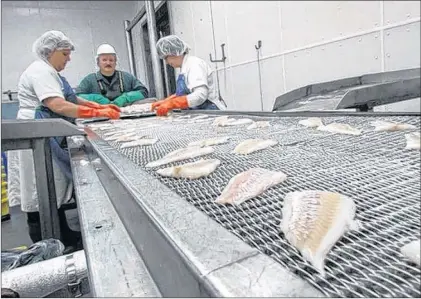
point(99, 106)
point(87, 112)
point(173, 103)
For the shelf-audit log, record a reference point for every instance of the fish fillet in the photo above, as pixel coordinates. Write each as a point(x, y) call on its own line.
point(253, 145)
point(125, 138)
point(249, 184)
point(237, 122)
point(258, 124)
point(312, 122)
point(141, 108)
point(391, 126)
point(413, 141)
point(210, 141)
point(220, 119)
point(181, 154)
point(412, 251)
point(193, 170)
point(340, 128)
point(120, 136)
point(140, 142)
point(313, 221)
point(200, 117)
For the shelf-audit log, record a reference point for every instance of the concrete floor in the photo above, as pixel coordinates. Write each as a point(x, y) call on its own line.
point(14, 232)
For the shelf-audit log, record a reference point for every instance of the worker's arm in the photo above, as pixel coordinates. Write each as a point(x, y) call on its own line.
point(137, 92)
point(198, 96)
point(96, 105)
point(136, 85)
point(65, 108)
point(86, 91)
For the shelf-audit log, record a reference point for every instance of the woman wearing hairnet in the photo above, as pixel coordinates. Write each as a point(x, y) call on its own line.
point(44, 93)
point(195, 85)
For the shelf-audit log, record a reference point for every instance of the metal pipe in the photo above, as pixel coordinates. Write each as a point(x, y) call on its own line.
point(136, 19)
point(43, 278)
point(167, 82)
point(156, 63)
point(129, 42)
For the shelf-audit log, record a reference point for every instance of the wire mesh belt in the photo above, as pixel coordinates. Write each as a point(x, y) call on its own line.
point(374, 169)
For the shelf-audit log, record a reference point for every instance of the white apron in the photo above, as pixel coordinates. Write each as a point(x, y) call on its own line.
point(29, 197)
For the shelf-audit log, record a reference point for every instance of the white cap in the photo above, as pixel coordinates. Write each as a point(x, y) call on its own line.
point(105, 49)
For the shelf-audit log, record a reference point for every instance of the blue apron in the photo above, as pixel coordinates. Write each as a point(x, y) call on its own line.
point(58, 145)
point(183, 90)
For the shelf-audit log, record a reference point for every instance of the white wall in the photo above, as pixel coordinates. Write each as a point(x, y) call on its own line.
point(87, 23)
point(302, 42)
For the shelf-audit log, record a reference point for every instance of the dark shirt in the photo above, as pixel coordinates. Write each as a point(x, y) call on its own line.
point(109, 78)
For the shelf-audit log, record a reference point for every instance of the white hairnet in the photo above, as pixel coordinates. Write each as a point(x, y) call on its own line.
point(171, 45)
point(51, 41)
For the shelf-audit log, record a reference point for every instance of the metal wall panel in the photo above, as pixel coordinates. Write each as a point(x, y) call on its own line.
point(398, 11)
point(402, 47)
point(245, 81)
point(225, 80)
point(87, 23)
point(272, 81)
point(307, 22)
point(248, 22)
point(181, 13)
point(352, 57)
point(202, 27)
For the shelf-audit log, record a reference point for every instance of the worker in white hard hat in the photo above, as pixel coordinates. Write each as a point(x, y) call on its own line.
point(44, 93)
point(108, 85)
point(196, 87)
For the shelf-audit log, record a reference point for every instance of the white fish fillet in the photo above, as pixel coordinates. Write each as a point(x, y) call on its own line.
point(141, 108)
point(249, 184)
point(181, 154)
point(237, 122)
point(313, 221)
point(258, 124)
point(125, 138)
point(200, 117)
point(120, 137)
point(140, 142)
point(210, 141)
point(312, 122)
point(412, 251)
point(193, 170)
point(253, 145)
point(340, 128)
point(413, 141)
point(220, 119)
point(391, 126)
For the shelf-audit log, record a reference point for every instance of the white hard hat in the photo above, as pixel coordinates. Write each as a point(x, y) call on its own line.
point(105, 49)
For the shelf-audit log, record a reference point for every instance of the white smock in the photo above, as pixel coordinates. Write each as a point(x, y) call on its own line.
point(198, 73)
point(37, 83)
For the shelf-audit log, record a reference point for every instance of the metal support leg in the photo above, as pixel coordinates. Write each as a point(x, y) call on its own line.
point(47, 200)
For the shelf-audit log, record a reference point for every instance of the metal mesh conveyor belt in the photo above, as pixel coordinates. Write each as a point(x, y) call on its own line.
point(374, 169)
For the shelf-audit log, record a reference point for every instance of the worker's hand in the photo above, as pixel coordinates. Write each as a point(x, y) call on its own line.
point(111, 106)
point(155, 105)
point(109, 112)
point(88, 112)
point(99, 106)
point(173, 103)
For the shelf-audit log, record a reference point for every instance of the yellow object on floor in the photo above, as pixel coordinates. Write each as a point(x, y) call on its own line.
point(5, 215)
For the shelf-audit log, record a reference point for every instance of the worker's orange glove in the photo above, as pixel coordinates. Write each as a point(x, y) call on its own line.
point(155, 105)
point(99, 106)
point(173, 103)
point(87, 112)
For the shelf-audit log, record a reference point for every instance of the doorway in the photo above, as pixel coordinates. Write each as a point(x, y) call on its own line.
point(162, 29)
